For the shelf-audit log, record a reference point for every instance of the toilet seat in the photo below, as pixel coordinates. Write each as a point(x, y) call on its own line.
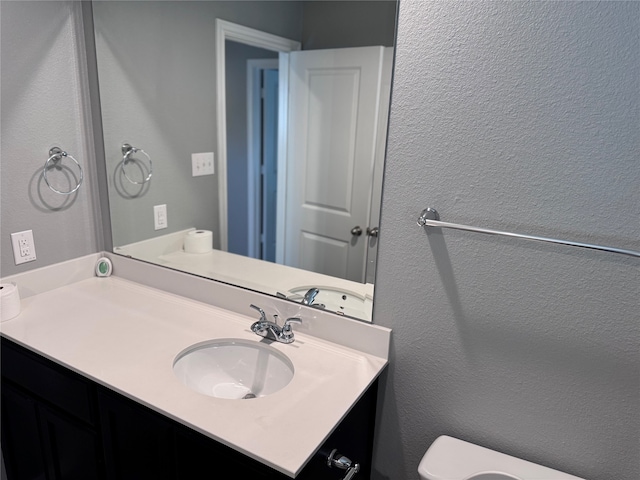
point(451, 459)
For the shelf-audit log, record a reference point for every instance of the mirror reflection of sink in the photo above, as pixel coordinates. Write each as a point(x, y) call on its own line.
point(233, 368)
point(336, 300)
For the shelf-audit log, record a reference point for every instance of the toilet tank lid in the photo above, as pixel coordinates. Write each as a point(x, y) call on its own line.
point(451, 459)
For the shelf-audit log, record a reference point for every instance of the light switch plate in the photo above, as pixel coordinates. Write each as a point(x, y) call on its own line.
point(202, 164)
point(24, 249)
point(159, 217)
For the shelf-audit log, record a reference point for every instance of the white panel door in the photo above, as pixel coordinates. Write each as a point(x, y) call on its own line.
point(333, 108)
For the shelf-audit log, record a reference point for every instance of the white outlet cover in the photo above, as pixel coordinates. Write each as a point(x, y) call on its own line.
point(24, 248)
point(160, 217)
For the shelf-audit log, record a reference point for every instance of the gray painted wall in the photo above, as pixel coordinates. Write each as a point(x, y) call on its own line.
point(43, 95)
point(522, 116)
point(340, 24)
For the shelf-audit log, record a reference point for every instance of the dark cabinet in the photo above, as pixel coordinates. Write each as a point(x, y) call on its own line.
point(138, 443)
point(57, 424)
point(21, 446)
point(73, 450)
point(47, 423)
point(201, 459)
point(141, 443)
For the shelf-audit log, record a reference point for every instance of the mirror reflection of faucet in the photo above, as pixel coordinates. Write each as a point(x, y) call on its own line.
point(310, 297)
point(307, 299)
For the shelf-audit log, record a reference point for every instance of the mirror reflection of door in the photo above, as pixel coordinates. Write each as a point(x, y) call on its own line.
point(335, 107)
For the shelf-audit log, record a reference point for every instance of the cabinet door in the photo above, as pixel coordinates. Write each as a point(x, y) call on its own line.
point(48, 382)
point(39, 442)
point(72, 451)
point(138, 443)
point(352, 438)
point(21, 448)
point(200, 457)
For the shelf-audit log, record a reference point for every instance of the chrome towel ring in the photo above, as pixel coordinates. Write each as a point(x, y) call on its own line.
point(127, 152)
point(55, 160)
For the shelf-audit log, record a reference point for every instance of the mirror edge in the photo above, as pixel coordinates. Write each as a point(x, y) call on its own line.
point(95, 129)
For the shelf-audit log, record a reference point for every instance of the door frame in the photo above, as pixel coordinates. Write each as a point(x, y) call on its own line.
point(249, 36)
point(283, 127)
point(254, 124)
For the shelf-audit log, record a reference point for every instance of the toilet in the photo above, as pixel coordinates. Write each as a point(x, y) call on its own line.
point(452, 459)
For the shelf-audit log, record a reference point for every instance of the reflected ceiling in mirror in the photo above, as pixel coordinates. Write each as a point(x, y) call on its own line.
point(244, 141)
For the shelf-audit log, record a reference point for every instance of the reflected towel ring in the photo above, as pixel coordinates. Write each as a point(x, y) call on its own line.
point(55, 155)
point(127, 151)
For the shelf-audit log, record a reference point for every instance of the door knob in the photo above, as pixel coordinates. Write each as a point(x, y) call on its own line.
point(373, 232)
point(356, 231)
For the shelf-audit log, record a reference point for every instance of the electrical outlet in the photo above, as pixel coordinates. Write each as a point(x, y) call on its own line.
point(24, 249)
point(202, 164)
point(159, 217)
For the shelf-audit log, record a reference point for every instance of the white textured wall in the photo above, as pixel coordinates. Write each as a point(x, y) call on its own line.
point(522, 116)
point(43, 105)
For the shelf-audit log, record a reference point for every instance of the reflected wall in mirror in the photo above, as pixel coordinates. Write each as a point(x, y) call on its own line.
point(259, 135)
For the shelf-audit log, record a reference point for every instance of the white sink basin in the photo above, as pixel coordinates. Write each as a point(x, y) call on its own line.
point(233, 368)
point(337, 300)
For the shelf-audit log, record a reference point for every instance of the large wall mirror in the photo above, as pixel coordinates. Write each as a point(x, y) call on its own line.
point(245, 140)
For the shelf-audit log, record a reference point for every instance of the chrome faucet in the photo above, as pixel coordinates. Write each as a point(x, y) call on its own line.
point(271, 330)
point(310, 296)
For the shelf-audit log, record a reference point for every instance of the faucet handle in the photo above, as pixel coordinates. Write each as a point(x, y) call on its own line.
point(286, 334)
point(289, 321)
point(263, 316)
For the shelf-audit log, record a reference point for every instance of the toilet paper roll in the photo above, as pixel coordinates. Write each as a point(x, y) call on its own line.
point(198, 241)
point(9, 301)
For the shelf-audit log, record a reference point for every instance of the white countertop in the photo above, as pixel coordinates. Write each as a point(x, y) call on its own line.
point(126, 336)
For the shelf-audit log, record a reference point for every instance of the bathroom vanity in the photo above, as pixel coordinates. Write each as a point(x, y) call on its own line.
point(88, 389)
point(74, 428)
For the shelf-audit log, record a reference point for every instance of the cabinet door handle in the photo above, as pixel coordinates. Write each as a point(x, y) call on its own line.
point(341, 462)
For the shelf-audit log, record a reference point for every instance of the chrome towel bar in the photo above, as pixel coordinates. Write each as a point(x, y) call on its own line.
point(430, 218)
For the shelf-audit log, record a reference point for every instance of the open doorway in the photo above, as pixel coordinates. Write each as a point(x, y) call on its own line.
point(252, 125)
point(262, 136)
point(227, 31)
